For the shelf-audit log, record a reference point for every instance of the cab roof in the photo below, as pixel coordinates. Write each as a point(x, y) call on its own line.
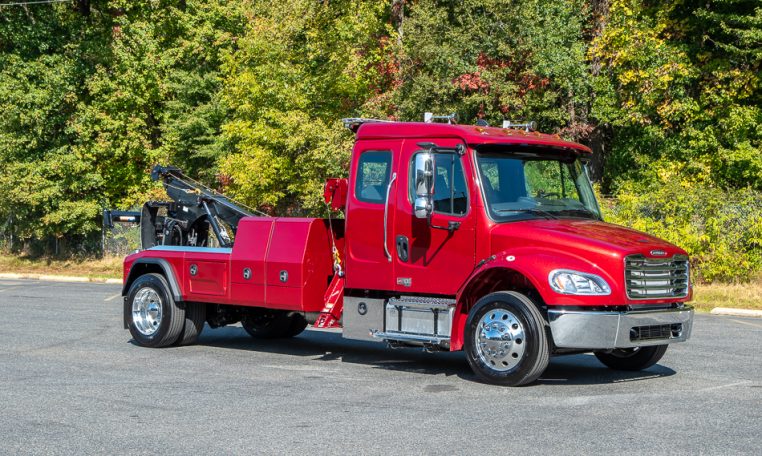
point(473, 135)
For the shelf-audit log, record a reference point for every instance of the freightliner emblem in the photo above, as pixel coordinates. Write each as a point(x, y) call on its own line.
point(658, 253)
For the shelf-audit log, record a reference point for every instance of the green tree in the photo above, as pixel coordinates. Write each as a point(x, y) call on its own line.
point(494, 59)
point(680, 82)
point(300, 67)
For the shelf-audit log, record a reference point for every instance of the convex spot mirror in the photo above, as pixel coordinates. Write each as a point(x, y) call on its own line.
point(424, 184)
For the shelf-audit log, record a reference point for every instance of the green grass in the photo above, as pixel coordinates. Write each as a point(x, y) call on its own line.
point(106, 268)
point(740, 296)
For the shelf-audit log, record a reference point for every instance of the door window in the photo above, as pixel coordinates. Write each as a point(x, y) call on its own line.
point(450, 194)
point(373, 170)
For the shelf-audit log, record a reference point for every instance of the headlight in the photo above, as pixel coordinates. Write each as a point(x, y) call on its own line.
point(565, 281)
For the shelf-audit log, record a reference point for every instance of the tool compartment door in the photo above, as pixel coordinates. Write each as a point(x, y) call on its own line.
point(206, 272)
point(248, 261)
point(298, 264)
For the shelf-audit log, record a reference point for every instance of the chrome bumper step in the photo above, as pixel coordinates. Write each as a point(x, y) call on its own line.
point(609, 330)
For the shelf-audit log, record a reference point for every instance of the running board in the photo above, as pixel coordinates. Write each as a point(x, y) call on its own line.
point(413, 339)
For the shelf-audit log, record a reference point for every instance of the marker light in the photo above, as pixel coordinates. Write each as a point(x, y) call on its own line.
point(566, 281)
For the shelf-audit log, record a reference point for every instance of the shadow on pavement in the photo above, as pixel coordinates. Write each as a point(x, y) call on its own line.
point(581, 369)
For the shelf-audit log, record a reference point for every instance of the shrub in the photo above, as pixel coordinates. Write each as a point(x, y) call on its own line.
point(720, 229)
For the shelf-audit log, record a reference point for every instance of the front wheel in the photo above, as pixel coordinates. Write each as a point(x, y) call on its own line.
point(632, 359)
point(505, 339)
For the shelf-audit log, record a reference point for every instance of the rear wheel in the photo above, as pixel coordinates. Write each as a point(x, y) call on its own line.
point(505, 339)
point(155, 319)
point(298, 324)
point(195, 317)
point(273, 324)
point(632, 359)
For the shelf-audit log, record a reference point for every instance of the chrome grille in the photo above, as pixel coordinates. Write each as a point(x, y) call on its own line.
point(656, 332)
point(654, 278)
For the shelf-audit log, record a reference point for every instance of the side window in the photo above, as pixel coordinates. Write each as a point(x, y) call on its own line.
point(450, 193)
point(373, 170)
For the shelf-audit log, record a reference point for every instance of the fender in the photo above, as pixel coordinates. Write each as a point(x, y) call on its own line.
point(533, 264)
point(169, 274)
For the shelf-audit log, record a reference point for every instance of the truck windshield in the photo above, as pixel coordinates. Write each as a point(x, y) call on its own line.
point(521, 186)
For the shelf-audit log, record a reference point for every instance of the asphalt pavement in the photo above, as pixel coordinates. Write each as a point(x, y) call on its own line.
point(72, 382)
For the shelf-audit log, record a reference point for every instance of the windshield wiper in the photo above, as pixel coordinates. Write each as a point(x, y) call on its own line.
point(583, 211)
point(530, 210)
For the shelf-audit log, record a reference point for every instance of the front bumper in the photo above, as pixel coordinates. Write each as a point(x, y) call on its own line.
point(609, 330)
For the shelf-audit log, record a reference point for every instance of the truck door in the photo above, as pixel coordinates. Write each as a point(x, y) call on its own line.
point(429, 258)
point(370, 217)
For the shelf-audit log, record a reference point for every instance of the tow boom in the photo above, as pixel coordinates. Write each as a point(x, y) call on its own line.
point(187, 220)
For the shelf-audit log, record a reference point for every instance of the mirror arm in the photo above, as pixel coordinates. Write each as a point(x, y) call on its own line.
point(451, 226)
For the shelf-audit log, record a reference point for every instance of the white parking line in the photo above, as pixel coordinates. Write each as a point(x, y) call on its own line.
point(111, 298)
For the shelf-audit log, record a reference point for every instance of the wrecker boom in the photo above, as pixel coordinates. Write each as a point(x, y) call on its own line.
point(187, 220)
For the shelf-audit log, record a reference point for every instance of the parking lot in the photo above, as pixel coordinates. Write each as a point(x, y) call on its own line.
point(71, 382)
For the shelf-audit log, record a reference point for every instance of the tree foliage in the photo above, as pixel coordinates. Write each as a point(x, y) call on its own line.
point(681, 85)
point(300, 67)
point(247, 97)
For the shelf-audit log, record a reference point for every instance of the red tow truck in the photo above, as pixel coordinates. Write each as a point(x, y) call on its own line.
point(475, 238)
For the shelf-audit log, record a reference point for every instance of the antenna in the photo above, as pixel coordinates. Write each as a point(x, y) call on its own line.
point(450, 118)
point(526, 126)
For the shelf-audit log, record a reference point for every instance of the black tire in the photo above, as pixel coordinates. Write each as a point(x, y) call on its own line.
point(195, 317)
point(169, 326)
point(527, 346)
point(632, 359)
point(298, 324)
point(268, 324)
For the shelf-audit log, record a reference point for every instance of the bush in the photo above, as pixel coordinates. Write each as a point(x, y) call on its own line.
point(720, 229)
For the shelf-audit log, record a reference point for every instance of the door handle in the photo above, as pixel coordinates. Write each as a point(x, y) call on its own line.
point(402, 248)
point(386, 217)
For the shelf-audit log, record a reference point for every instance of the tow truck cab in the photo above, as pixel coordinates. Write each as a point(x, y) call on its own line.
point(455, 237)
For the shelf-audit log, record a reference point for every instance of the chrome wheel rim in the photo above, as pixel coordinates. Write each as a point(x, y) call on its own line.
point(146, 311)
point(500, 341)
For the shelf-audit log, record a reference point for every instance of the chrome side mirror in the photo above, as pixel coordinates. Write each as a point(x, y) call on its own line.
point(424, 184)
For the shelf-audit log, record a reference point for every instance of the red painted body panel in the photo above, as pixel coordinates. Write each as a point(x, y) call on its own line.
point(268, 246)
point(250, 250)
point(539, 246)
point(291, 260)
point(470, 134)
point(367, 266)
point(210, 280)
point(438, 260)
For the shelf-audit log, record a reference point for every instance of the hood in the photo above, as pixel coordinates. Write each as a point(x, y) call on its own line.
point(582, 237)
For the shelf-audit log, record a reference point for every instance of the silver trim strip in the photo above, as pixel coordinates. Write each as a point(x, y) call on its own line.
point(423, 302)
point(185, 248)
point(386, 215)
point(609, 330)
point(402, 337)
